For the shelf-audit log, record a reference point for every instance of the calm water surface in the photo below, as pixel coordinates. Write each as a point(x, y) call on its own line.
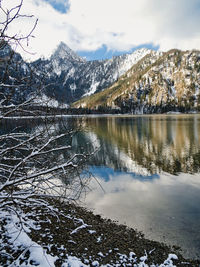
point(149, 168)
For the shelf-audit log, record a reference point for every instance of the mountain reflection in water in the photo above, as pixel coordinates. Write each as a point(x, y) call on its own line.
point(149, 144)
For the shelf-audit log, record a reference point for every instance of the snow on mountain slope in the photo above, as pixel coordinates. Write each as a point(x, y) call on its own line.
point(112, 69)
point(141, 82)
point(64, 58)
point(160, 82)
point(131, 59)
point(72, 77)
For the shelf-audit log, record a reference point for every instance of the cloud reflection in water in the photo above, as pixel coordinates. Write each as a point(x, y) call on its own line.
point(165, 207)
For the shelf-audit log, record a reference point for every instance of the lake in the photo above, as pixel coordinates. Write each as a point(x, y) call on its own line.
point(149, 171)
point(146, 171)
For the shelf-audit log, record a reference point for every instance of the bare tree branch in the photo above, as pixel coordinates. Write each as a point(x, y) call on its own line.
point(38, 162)
point(12, 15)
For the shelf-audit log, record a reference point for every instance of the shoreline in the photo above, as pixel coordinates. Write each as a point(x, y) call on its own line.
point(70, 234)
point(97, 115)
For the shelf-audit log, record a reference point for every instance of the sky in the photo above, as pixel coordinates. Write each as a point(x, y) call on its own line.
point(98, 29)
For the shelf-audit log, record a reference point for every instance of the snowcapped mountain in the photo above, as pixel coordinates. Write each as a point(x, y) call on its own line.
point(64, 58)
point(69, 77)
point(145, 81)
point(159, 82)
point(65, 53)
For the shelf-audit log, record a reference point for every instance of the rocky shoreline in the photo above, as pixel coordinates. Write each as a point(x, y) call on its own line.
point(73, 236)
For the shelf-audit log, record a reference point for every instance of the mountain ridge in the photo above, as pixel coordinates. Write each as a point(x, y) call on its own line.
point(145, 81)
point(171, 82)
point(73, 77)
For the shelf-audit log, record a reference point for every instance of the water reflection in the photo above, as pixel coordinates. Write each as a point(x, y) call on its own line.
point(151, 143)
point(165, 209)
point(149, 169)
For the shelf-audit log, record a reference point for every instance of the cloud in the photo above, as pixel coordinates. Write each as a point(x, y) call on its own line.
point(176, 23)
point(124, 24)
point(87, 25)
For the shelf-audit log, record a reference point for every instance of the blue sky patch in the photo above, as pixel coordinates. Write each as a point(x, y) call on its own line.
point(104, 53)
point(61, 6)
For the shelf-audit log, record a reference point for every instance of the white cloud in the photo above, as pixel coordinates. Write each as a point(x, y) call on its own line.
point(121, 25)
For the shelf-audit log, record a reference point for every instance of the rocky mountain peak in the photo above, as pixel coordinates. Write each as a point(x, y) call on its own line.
point(64, 52)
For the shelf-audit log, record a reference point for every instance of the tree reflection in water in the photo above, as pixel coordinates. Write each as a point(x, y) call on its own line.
point(156, 143)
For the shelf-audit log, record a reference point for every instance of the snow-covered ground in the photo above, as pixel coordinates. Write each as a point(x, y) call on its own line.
point(20, 227)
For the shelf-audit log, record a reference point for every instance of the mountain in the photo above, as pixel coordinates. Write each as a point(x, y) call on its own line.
point(65, 53)
point(64, 59)
point(145, 81)
point(15, 72)
point(70, 77)
point(20, 81)
point(159, 82)
point(65, 76)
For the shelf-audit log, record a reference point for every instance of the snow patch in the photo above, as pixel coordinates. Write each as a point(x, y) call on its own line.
point(92, 89)
point(19, 238)
point(44, 100)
